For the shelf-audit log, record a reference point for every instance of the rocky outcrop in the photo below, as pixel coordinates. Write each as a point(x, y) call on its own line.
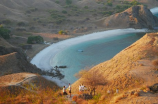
point(13, 60)
point(134, 17)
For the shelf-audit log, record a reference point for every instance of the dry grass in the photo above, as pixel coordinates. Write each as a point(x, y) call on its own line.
point(34, 89)
point(155, 62)
point(47, 96)
point(74, 98)
point(134, 93)
point(116, 99)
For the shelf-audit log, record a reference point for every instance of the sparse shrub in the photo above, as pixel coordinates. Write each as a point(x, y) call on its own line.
point(35, 39)
point(134, 2)
point(55, 38)
point(141, 64)
point(96, 97)
point(21, 24)
point(136, 94)
point(57, 1)
point(109, 4)
point(61, 32)
point(74, 98)
point(7, 22)
point(5, 33)
point(155, 62)
point(86, 7)
point(68, 2)
point(91, 79)
point(64, 11)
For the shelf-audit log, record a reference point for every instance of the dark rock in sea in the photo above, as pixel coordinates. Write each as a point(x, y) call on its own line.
point(135, 17)
point(80, 50)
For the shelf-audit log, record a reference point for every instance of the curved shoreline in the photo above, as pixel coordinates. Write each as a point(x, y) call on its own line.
point(59, 47)
point(42, 59)
point(154, 10)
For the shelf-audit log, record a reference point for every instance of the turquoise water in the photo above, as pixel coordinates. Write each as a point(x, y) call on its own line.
point(94, 52)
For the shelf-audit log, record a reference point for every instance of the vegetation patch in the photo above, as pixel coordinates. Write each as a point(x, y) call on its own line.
point(35, 39)
point(4, 32)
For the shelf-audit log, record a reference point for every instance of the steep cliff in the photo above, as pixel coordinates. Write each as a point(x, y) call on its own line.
point(134, 17)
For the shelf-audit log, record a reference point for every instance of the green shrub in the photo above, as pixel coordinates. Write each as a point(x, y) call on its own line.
point(86, 7)
point(109, 4)
point(35, 39)
point(134, 2)
point(64, 11)
point(5, 33)
point(57, 1)
point(7, 22)
point(68, 2)
point(21, 24)
point(96, 97)
point(61, 32)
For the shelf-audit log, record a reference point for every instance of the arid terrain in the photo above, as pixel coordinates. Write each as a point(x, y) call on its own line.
point(27, 18)
point(133, 71)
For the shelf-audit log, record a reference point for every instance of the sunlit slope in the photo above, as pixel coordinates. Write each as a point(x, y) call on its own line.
point(131, 68)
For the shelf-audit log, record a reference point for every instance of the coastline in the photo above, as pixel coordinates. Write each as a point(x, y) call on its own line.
point(43, 58)
point(45, 63)
point(39, 47)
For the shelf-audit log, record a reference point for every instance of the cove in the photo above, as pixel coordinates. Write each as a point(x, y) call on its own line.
point(94, 52)
point(97, 47)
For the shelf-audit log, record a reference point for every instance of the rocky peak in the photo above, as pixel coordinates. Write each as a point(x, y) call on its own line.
point(135, 17)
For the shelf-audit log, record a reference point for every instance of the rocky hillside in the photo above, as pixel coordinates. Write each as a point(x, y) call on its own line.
point(134, 17)
point(54, 15)
point(135, 67)
point(14, 60)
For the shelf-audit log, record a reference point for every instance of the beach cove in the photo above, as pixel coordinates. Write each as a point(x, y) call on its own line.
point(63, 53)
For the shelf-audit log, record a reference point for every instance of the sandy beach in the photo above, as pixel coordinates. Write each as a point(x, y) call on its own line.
point(43, 58)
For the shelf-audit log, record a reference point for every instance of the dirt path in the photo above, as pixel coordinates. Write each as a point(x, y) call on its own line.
point(70, 98)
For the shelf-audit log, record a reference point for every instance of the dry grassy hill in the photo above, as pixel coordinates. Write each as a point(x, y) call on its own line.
point(133, 68)
point(134, 17)
point(54, 15)
point(28, 88)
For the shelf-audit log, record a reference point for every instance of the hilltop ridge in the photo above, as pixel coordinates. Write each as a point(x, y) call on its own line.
point(54, 15)
point(134, 17)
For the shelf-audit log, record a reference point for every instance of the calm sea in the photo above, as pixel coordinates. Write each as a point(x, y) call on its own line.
point(94, 52)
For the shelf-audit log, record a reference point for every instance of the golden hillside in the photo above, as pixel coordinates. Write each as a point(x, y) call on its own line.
point(134, 67)
point(135, 17)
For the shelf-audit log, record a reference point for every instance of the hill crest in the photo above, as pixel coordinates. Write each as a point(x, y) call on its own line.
point(134, 17)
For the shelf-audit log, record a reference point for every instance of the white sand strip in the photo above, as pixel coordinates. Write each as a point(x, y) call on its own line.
point(154, 10)
point(42, 59)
